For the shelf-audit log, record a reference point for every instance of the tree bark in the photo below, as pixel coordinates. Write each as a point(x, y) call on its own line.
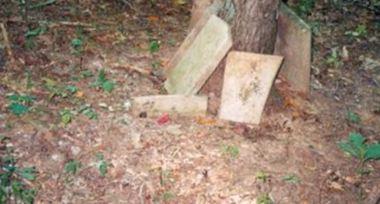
point(254, 27)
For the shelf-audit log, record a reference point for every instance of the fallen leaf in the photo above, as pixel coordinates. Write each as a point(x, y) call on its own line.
point(79, 94)
point(163, 119)
point(153, 18)
point(336, 186)
point(206, 121)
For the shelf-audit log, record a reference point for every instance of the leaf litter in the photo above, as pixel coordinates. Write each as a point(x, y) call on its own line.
point(172, 159)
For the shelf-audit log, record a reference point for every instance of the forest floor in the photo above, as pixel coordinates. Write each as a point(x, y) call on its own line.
point(65, 110)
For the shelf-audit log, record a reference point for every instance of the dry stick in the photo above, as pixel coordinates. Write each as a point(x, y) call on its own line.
point(6, 42)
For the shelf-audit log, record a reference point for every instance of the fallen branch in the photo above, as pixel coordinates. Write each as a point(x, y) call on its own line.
point(7, 43)
point(62, 23)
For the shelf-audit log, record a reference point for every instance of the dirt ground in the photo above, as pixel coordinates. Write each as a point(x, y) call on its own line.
point(291, 157)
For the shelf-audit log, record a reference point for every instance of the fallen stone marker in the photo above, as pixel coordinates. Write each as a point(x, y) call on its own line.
point(248, 79)
point(172, 104)
point(294, 43)
point(198, 56)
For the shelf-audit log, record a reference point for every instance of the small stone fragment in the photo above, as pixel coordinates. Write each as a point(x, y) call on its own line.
point(169, 104)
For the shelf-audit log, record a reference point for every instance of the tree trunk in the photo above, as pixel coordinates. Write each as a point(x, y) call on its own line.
point(254, 25)
point(254, 29)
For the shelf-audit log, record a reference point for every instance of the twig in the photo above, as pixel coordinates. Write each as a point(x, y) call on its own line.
point(6, 42)
point(52, 24)
point(132, 68)
point(70, 23)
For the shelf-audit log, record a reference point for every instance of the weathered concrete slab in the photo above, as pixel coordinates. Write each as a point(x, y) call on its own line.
point(172, 104)
point(248, 79)
point(198, 56)
point(294, 43)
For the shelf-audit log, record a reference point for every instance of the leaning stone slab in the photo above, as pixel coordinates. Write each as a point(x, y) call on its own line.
point(198, 56)
point(248, 79)
point(173, 104)
point(294, 43)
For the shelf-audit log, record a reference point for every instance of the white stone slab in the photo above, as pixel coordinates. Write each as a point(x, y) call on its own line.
point(294, 43)
point(248, 79)
point(173, 104)
point(198, 56)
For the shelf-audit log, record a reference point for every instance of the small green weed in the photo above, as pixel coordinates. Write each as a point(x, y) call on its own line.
point(78, 43)
point(304, 7)
point(88, 112)
point(103, 83)
point(154, 46)
point(86, 74)
point(77, 46)
point(20, 104)
point(264, 198)
point(262, 176)
point(31, 34)
point(355, 146)
point(360, 31)
point(11, 184)
point(231, 150)
point(102, 164)
point(66, 116)
point(353, 117)
point(166, 177)
point(167, 196)
point(291, 178)
point(72, 167)
point(334, 58)
point(58, 90)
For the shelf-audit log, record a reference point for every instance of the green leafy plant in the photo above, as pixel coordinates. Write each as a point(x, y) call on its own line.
point(356, 146)
point(77, 45)
point(20, 104)
point(353, 117)
point(72, 167)
point(154, 46)
point(58, 90)
point(291, 178)
point(102, 164)
point(167, 196)
point(360, 31)
point(11, 181)
point(88, 112)
point(264, 198)
point(66, 116)
point(304, 7)
point(231, 150)
point(86, 74)
point(334, 58)
point(71, 89)
point(103, 83)
point(262, 176)
point(31, 34)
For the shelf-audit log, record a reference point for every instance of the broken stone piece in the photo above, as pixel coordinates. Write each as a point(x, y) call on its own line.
point(294, 43)
point(248, 79)
point(172, 104)
point(198, 56)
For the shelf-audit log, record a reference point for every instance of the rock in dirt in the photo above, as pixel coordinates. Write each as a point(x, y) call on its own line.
point(248, 79)
point(294, 43)
point(172, 104)
point(199, 55)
